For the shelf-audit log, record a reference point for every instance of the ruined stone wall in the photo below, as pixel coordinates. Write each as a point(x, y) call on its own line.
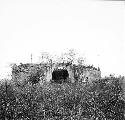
point(90, 75)
point(76, 73)
point(71, 74)
point(86, 73)
point(23, 72)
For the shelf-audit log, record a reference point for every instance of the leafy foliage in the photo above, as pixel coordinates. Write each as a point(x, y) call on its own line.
point(103, 100)
point(27, 73)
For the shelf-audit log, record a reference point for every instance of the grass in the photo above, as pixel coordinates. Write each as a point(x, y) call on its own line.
point(66, 101)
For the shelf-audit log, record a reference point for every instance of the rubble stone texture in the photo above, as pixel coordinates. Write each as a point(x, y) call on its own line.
point(76, 72)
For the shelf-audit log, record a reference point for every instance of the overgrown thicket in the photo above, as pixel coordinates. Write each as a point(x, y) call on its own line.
point(104, 99)
point(28, 73)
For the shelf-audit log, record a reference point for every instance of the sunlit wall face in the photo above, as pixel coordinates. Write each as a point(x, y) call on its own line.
point(93, 28)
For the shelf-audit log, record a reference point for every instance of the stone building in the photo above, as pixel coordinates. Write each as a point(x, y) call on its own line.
point(76, 73)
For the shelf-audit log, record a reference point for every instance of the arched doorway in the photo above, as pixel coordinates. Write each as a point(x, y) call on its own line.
point(60, 75)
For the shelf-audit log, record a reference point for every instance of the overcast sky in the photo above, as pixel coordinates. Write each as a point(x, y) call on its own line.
point(94, 28)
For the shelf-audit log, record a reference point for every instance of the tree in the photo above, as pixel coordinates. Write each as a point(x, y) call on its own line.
point(80, 61)
point(69, 56)
point(45, 57)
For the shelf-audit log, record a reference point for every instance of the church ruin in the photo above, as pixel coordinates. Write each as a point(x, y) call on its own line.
point(58, 73)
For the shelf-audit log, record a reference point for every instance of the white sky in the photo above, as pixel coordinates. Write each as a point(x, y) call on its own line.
point(94, 28)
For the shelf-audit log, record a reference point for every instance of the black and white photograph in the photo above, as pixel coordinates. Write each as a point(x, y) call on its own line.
point(62, 60)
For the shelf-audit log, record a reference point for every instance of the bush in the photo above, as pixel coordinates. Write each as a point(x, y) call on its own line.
point(101, 100)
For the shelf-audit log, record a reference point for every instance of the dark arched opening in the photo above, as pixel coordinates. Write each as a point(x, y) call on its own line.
point(60, 75)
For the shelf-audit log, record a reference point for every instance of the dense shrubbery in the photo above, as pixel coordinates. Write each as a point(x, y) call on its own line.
point(103, 100)
point(27, 73)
